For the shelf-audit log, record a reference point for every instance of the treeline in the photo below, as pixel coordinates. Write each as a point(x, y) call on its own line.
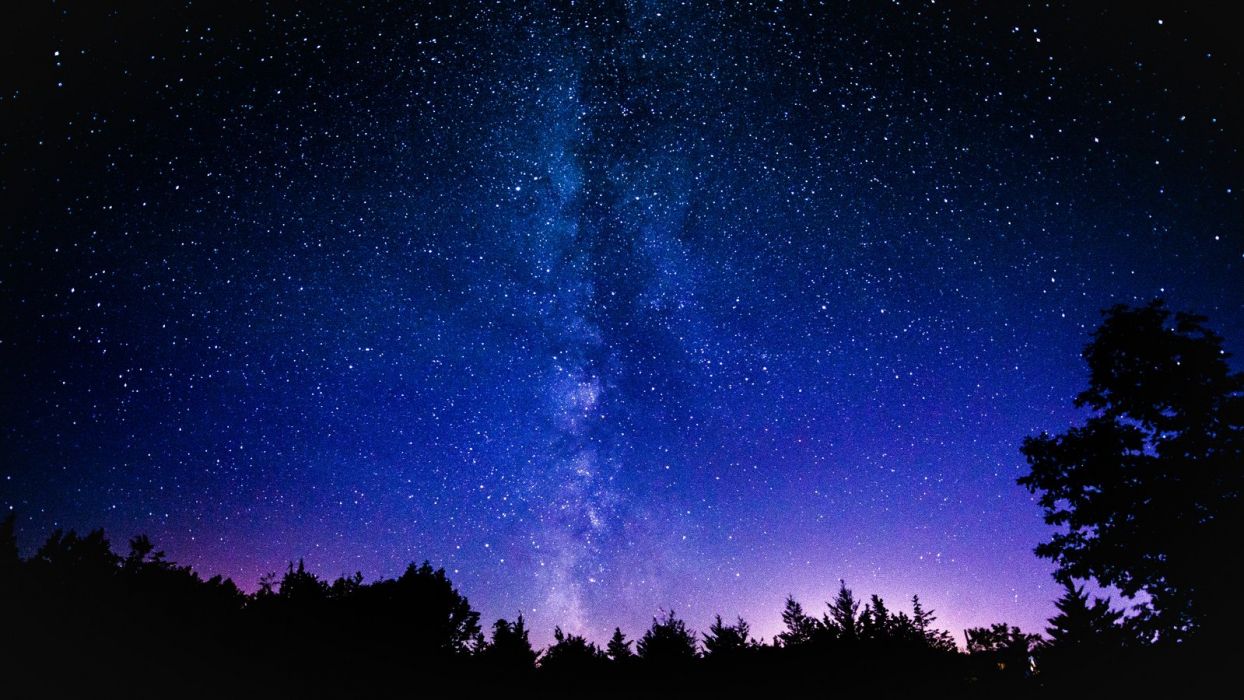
point(1146, 496)
point(78, 616)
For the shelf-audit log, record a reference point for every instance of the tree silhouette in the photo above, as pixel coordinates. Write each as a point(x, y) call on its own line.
point(998, 637)
point(668, 643)
point(876, 622)
point(572, 656)
point(1081, 624)
point(619, 647)
point(922, 621)
point(1005, 647)
point(140, 549)
point(267, 585)
point(436, 619)
point(1149, 488)
point(510, 651)
point(800, 626)
point(301, 587)
point(728, 641)
point(843, 617)
point(346, 587)
point(1086, 642)
point(90, 556)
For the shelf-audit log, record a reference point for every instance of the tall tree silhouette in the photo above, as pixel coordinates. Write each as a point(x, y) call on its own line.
point(1148, 489)
point(843, 617)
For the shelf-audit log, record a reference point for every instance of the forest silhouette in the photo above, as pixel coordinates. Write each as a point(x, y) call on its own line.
point(1145, 495)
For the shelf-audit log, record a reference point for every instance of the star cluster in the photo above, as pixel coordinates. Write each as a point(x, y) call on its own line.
point(605, 307)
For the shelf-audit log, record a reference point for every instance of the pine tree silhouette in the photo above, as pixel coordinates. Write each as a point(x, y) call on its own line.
point(800, 627)
point(619, 647)
point(922, 621)
point(843, 618)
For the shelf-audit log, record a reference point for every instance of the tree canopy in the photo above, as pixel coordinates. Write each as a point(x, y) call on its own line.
point(1147, 491)
point(668, 642)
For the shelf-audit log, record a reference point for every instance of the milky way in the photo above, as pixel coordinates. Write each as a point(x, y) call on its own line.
point(606, 308)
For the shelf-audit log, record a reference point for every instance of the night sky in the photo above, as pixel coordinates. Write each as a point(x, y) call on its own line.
point(606, 308)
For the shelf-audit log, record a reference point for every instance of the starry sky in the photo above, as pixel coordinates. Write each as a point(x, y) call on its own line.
point(607, 308)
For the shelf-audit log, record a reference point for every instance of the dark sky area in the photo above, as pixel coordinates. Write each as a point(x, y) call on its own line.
point(607, 308)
